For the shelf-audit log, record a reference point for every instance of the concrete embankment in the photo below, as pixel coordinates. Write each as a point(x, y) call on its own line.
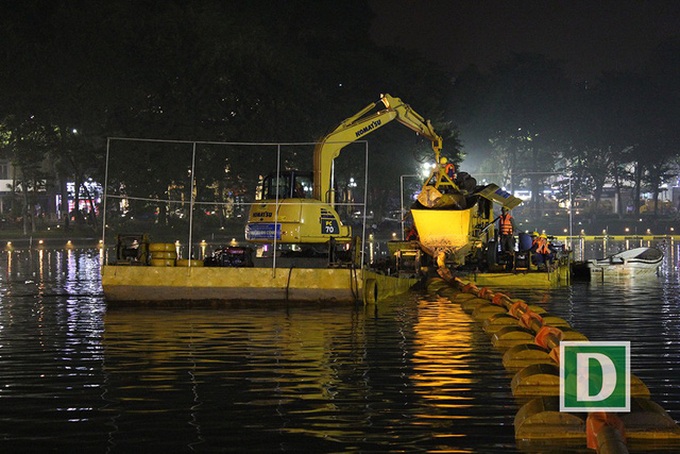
point(530, 341)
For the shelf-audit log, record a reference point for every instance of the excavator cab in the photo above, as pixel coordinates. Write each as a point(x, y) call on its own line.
point(287, 213)
point(289, 184)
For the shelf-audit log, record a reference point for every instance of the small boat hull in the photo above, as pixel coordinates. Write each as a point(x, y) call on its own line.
point(633, 263)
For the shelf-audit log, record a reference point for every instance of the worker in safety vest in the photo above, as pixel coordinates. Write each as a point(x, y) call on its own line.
point(541, 251)
point(412, 234)
point(506, 230)
point(534, 240)
point(449, 168)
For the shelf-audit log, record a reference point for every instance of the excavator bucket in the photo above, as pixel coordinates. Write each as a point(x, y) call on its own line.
point(430, 197)
point(444, 222)
point(443, 228)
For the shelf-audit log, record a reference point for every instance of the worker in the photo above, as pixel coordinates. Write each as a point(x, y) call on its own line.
point(449, 168)
point(534, 238)
point(534, 245)
point(298, 191)
point(541, 252)
point(412, 234)
point(506, 229)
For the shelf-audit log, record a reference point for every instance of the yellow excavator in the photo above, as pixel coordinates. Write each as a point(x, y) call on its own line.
point(452, 215)
point(298, 208)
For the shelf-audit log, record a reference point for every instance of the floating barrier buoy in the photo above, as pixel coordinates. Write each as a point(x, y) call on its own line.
point(531, 338)
point(522, 356)
point(540, 423)
point(510, 336)
point(543, 379)
point(486, 310)
point(471, 304)
point(570, 334)
point(447, 292)
point(498, 321)
point(554, 321)
point(435, 284)
point(536, 380)
point(459, 297)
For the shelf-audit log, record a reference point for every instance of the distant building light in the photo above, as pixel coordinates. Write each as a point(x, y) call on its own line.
point(522, 194)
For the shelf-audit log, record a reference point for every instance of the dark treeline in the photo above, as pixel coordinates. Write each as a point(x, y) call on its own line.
point(73, 73)
point(620, 130)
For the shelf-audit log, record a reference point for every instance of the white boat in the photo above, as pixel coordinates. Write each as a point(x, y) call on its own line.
point(638, 262)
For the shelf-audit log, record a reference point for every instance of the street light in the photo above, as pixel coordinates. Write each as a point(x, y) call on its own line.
point(571, 218)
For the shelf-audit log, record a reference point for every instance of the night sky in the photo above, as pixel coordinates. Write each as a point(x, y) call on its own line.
point(589, 36)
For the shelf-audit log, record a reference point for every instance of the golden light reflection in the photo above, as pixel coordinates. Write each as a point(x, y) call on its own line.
point(41, 265)
point(443, 344)
point(203, 245)
point(302, 343)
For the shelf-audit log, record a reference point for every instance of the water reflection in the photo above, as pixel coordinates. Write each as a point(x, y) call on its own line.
point(442, 332)
point(413, 374)
point(273, 370)
point(50, 353)
point(341, 376)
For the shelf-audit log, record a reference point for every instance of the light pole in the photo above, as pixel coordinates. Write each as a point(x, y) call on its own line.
point(571, 218)
point(401, 180)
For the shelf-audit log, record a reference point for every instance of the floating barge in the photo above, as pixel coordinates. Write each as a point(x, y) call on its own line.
point(151, 284)
point(558, 276)
point(145, 272)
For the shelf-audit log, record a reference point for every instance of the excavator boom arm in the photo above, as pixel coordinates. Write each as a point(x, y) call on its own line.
point(357, 126)
point(414, 121)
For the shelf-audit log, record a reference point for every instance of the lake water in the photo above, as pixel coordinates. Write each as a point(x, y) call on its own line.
point(412, 374)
